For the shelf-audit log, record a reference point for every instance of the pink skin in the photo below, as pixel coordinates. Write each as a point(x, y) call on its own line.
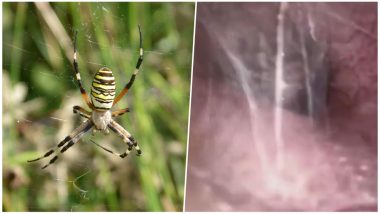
point(329, 164)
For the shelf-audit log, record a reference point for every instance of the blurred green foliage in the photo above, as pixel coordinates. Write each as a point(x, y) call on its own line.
point(39, 91)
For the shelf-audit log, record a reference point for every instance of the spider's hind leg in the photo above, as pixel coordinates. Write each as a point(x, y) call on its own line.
point(133, 77)
point(77, 75)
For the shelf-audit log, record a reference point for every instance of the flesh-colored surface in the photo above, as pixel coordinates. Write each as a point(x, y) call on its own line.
point(325, 161)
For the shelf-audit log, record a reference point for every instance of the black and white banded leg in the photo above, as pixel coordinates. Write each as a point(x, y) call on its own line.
point(66, 143)
point(110, 151)
point(82, 112)
point(127, 138)
point(77, 75)
point(136, 71)
point(119, 112)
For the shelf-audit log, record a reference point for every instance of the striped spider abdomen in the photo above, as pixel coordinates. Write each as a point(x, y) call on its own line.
point(103, 90)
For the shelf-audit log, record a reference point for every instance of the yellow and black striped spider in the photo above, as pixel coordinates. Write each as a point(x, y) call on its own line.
point(101, 117)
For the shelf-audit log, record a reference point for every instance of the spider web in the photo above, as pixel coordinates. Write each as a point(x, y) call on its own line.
point(69, 176)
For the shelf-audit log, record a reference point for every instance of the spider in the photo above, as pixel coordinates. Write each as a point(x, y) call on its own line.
point(100, 118)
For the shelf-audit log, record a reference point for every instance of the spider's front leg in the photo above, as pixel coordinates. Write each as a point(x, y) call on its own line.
point(108, 150)
point(127, 138)
point(66, 143)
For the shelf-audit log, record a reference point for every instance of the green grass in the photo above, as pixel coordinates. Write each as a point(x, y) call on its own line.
point(39, 91)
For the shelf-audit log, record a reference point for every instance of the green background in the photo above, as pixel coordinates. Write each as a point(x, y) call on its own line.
point(39, 91)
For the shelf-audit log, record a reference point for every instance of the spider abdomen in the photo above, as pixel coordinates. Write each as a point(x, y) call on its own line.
point(103, 90)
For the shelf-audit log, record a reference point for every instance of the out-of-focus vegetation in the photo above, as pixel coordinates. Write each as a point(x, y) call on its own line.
point(39, 92)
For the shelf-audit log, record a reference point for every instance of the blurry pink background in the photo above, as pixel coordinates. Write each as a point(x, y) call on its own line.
point(284, 108)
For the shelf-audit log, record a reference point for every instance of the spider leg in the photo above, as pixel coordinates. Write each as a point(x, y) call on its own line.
point(120, 112)
point(66, 143)
point(127, 138)
point(130, 83)
point(82, 112)
point(77, 74)
point(108, 150)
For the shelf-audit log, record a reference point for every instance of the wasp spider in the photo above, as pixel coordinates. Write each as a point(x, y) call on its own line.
point(100, 118)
